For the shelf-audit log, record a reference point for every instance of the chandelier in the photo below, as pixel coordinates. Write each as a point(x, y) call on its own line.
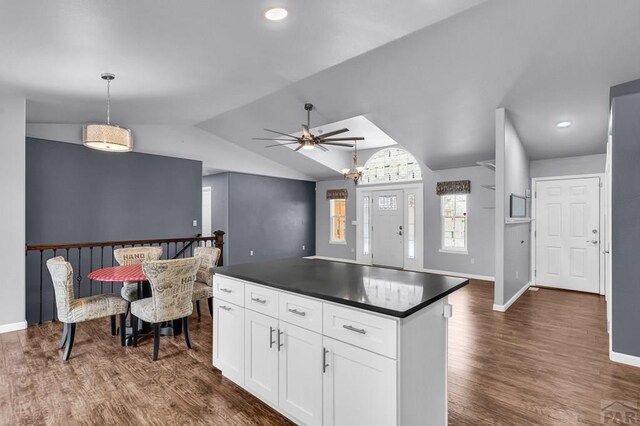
point(107, 137)
point(355, 172)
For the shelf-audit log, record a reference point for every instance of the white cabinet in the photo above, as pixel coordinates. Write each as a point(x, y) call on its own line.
point(359, 387)
point(228, 340)
point(301, 357)
point(261, 356)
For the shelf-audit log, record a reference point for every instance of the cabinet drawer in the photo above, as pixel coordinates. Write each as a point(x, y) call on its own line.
point(361, 329)
point(261, 299)
point(228, 289)
point(301, 311)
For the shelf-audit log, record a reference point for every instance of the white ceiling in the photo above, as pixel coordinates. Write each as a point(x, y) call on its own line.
point(184, 61)
point(429, 73)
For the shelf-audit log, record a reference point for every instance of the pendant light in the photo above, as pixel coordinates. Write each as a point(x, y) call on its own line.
point(107, 137)
point(355, 172)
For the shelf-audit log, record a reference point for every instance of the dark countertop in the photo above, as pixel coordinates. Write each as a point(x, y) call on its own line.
point(388, 291)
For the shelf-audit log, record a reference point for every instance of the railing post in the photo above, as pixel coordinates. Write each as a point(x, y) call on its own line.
point(218, 242)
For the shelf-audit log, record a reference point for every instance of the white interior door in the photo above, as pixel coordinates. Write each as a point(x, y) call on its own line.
point(387, 233)
point(568, 234)
point(206, 211)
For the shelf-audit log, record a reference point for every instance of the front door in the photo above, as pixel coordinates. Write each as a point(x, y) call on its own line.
point(387, 221)
point(568, 234)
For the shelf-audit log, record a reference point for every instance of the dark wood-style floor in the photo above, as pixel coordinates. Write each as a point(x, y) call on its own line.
point(543, 362)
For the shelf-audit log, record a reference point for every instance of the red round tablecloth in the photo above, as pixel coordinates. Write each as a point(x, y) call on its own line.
point(119, 274)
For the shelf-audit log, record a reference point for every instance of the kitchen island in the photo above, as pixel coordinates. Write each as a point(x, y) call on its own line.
point(332, 343)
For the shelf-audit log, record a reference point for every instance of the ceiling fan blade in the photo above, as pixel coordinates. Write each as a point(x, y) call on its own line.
point(280, 133)
point(305, 131)
point(282, 144)
point(322, 147)
point(335, 132)
point(298, 148)
point(355, 138)
point(336, 144)
point(273, 139)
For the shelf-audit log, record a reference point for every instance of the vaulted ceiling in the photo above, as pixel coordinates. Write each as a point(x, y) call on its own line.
point(429, 73)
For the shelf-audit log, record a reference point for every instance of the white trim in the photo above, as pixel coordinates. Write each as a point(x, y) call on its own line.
point(602, 207)
point(460, 274)
point(334, 259)
point(453, 251)
point(503, 308)
point(6, 328)
point(624, 359)
point(342, 242)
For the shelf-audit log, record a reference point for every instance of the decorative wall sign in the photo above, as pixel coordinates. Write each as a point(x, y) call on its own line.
point(453, 187)
point(337, 194)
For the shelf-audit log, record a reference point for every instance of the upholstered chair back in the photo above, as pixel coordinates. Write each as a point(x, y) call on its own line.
point(62, 276)
point(210, 257)
point(135, 255)
point(171, 287)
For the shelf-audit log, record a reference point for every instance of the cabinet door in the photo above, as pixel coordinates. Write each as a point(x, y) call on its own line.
point(359, 387)
point(261, 356)
point(301, 374)
point(228, 340)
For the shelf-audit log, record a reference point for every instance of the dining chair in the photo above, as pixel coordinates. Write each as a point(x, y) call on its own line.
point(72, 310)
point(133, 256)
point(171, 292)
point(203, 287)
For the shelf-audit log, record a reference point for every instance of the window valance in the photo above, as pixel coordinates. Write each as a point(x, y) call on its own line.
point(337, 194)
point(453, 187)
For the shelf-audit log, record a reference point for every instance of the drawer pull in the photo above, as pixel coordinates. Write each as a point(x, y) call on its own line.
point(226, 290)
point(357, 330)
point(225, 307)
point(258, 300)
point(297, 312)
point(271, 341)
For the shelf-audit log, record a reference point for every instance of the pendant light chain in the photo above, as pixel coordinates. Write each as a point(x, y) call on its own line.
point(109, 101)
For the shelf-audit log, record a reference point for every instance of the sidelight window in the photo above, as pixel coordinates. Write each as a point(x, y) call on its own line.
point(338, 221)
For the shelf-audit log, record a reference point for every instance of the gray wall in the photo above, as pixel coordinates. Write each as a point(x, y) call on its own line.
point(626, 226)
point(274, 217)
point(480, 211)
point(12, 221)
point(76, 194)
point(219, 202)
point(323, 221)
point(512, 240)
point(585, 164)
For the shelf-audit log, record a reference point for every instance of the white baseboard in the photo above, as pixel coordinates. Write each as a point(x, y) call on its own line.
point(624, 359)
point(503, 308)
point(334, 259)
point(6, 328)
point(460, 274)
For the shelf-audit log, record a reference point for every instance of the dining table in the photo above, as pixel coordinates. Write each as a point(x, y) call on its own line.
point(135, 273)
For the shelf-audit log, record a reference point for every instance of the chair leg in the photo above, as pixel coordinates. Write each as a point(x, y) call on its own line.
point(113, 325)
point(71, 335)
point(65, 333)
point(156, 340)
point(210, 302)
point(198, 309)
point(187, 336)
point(134, 330)
point(123, 329)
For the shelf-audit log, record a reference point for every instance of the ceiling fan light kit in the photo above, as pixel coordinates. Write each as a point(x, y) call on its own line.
point(309, 141)
point(107, 137)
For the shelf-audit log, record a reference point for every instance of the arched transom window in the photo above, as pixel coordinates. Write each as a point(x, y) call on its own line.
point(391, 165)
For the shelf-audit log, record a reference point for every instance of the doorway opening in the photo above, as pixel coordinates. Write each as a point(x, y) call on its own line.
point(206, 212)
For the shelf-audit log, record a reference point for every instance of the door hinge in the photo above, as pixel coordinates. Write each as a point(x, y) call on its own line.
point(535, 233)
point(535, 272)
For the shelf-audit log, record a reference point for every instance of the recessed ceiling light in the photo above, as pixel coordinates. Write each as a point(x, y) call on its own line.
point(563, 124)
point(276, 14)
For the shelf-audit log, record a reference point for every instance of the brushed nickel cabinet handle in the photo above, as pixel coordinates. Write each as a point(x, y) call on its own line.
point(324, 359)
point(357, 330)
point(226, 290)
point(225, 307)
point(258, 300)
point(297, 312)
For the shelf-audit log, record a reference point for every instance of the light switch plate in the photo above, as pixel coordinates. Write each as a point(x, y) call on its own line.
point(195, 223)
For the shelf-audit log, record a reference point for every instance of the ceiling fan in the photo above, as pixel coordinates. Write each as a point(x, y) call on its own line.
point(309, 140)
